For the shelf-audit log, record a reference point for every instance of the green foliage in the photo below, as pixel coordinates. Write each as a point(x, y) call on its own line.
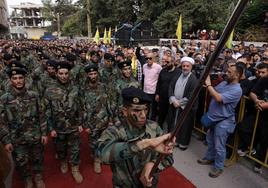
point(196, 14)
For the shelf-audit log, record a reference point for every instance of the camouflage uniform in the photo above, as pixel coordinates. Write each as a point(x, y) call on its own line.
point(22, 126)
point(96, 114)
point(108, 77)
point(64, 116)
point(121, 84)
point(117, 147)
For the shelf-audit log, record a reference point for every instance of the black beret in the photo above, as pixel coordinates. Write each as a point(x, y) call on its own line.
point(92, 53)
point(16, 70)
point(63, 65)
point(123, 64)
point(52, 63)
point(16, 64)
point(108, 56)
point(134, 95)
point(91, 67)
point(7, 56)
point(119, 53)
point(70, 57)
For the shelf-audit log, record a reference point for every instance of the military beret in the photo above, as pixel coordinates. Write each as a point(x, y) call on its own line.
point(119, 53)
point(123, 64)
point(7, 56)
point(92, 53)
point(70, 57)
point(134, 95)
point(108, 56)
point(63, 65)
point(16, 64)
point(91, 67)
point(16, 70)
point(52, 63)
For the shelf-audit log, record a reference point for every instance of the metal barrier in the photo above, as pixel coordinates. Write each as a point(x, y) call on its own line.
point(234, 145)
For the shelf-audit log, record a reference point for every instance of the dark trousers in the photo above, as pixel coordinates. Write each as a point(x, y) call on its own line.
point(245, 130)
point(263, 140)
point(153, 107)
point(162, 111)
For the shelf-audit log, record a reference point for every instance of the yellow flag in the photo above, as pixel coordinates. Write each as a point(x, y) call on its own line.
point(230, 40)
point(97, 36)
point(179, 30)
point(105, 39)
point(109, 35)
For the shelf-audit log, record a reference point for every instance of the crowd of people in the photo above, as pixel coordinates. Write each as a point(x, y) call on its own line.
point(117, 94)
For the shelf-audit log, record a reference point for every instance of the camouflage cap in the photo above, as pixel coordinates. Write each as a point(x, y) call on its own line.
point(123, 64)
point(134, 95)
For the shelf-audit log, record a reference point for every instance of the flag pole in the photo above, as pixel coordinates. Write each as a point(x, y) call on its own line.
point(240, 7)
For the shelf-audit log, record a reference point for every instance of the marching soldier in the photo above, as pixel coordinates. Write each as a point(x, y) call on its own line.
point(64, 117)
point(24, 132)
point(132, 147)
point(95, 107)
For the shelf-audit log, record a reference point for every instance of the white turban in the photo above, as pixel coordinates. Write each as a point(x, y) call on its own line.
point(187, 59)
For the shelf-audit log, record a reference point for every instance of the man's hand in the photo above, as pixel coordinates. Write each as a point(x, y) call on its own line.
point(145, 178)
point(157, 98)
point(80, 129)
point(262, 105)
point(88, 130)
point(158, 144)
point(176, 104)
point(208, 81)
point(53, 134)
point(44, 140)
point(9, 148)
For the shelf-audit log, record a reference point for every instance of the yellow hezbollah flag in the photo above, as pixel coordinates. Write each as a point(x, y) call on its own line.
point(179, 31)
point(97, 36)
point(105, 40)
point(230, 40)
point(109, 35)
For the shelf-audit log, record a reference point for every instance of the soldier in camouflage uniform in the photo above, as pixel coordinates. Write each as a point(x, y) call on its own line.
point(95, 107)
point(48, 78)
point(124, 81)
point(65, 119)
point(132, 147)
point(23, 130)
point(108, 76)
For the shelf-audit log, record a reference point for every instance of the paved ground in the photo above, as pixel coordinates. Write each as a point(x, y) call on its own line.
point(236, 176)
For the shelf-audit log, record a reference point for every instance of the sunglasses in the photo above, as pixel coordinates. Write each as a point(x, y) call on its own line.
point(148, 58)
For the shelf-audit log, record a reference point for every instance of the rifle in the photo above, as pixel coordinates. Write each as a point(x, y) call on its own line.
point(240, 7)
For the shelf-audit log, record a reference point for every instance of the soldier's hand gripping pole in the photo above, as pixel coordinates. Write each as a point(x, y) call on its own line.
point(240, 7)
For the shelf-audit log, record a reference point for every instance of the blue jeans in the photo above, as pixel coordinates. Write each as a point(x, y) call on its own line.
point(216, 140)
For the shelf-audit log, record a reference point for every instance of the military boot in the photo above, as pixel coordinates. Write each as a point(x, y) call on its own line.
point(97, 165)
point(39, 181)
point(28, 182)
point(76, 174)
point(64, 167)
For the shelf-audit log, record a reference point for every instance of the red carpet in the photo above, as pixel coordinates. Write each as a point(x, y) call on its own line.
point(53, 178)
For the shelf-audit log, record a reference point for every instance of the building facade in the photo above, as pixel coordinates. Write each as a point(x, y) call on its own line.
point(27, 21)
point(3, 18)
